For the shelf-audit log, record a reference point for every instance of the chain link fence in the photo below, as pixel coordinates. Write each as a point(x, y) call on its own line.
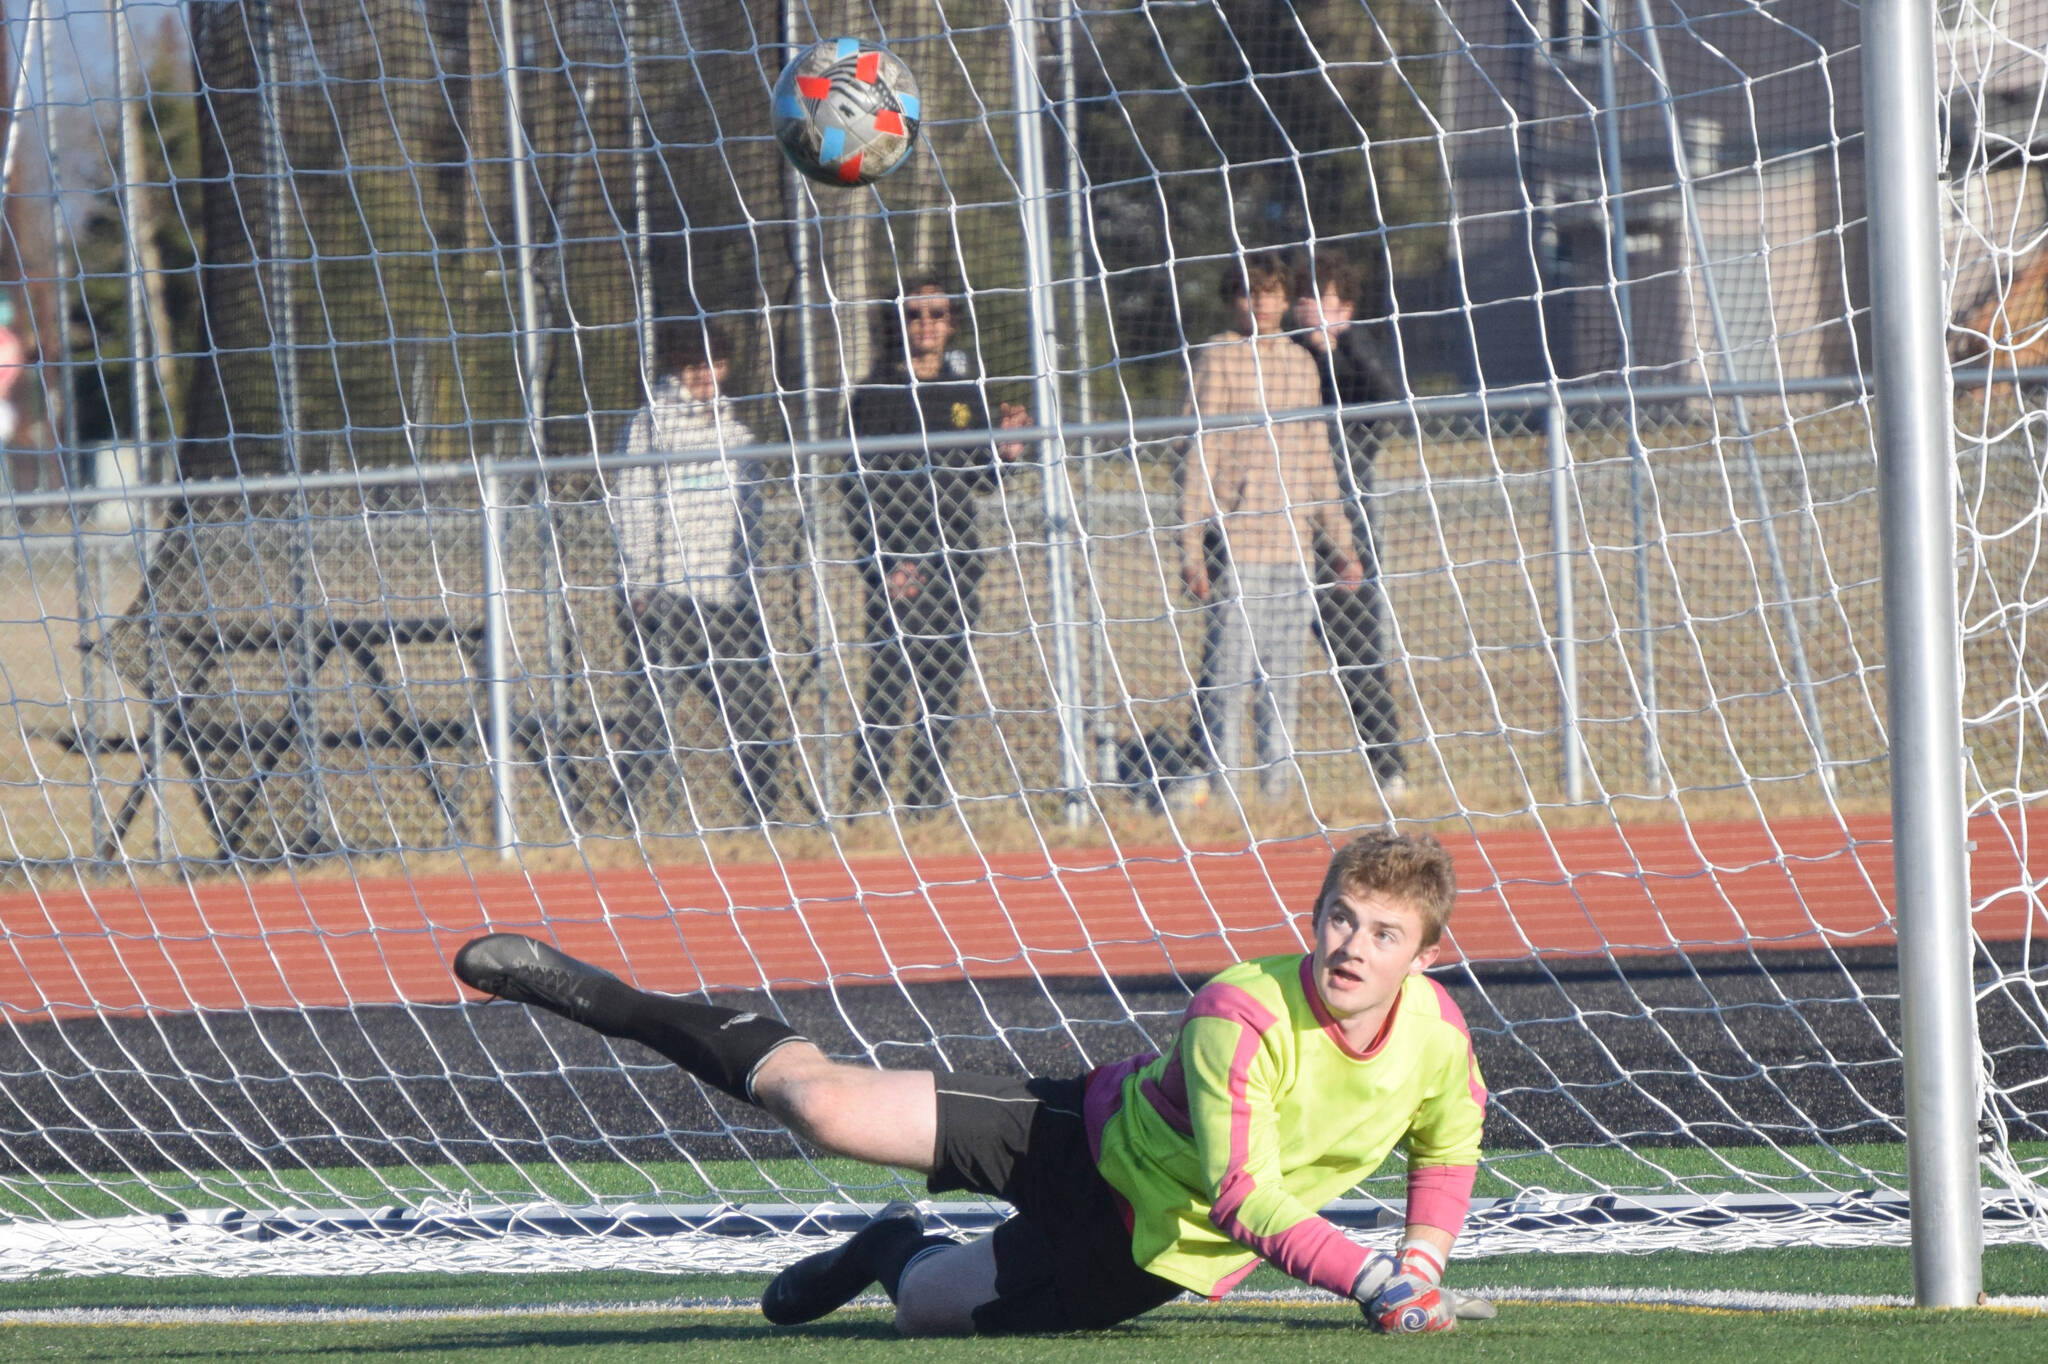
point(266, 676)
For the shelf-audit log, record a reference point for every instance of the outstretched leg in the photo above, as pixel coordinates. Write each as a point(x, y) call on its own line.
point(1066, 1259)
point(885, 1117)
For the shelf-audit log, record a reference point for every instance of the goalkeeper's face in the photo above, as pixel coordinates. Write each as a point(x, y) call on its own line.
point(1365, 947)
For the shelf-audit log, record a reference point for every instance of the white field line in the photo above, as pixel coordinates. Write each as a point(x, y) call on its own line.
point(1722, 1300)
point(337, 1316)
point(1702, 1299)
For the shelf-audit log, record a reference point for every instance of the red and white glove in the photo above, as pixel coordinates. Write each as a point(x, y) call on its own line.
point(1413, 1300)
point(1378, 1271)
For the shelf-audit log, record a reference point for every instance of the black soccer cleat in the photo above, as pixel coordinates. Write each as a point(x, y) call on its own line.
point(525, 971)
point(825, 1282)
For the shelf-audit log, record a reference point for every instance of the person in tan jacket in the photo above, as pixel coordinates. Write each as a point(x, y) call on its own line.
point(1253, 498)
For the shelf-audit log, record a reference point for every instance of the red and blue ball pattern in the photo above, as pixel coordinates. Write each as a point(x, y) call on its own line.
point(846, 111)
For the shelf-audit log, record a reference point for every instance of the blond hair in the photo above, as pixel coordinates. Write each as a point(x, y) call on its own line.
point(1411, 868)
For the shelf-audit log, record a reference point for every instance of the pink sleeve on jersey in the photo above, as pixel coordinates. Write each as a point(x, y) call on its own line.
point(1440, 1196)
point(1455, 1016)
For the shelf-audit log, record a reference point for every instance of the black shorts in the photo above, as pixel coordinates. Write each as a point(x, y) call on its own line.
point(1063, 1263)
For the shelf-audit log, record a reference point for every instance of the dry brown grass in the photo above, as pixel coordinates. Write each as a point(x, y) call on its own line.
point(1466, 533)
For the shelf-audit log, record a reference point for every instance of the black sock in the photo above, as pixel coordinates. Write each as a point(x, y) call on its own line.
point(721, 1047)
point(892, 1260)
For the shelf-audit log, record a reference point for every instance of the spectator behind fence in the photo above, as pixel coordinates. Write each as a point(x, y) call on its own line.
point(1264, 492)
point(687, 533)
point(912, 514)
point(1354, 623)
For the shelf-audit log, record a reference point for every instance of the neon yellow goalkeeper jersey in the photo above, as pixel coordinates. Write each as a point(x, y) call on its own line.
point(1227, 1146)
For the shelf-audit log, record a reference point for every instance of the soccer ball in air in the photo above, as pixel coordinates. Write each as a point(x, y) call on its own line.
point(846, 111)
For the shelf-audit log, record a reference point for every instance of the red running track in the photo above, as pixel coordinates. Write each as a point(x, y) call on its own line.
point(1798, 883)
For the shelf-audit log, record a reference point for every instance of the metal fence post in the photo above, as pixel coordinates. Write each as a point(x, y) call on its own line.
point(1080, 233)
point(64, 434)
point(1788, 614)
point(1916, 516)
point(497, 684)
point(1614, 184)
point(132, 88)
point(1066, 679)
point(1567, 629)
point(806, 470)
point(279, 284)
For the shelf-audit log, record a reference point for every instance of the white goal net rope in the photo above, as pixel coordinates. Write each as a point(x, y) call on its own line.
point(380, 568)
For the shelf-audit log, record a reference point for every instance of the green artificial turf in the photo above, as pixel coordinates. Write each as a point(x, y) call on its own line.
point(653, 1316)
point(1185, 1335)
point(1876, 1271)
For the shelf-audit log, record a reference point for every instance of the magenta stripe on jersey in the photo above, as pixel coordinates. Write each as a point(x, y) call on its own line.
point(1168, 1096)
point(1311, 1250)
point(1440, 1196)
point(1237, 1276)
point(1455, 1016)
point(1102, 1094)
point(1232, 1005)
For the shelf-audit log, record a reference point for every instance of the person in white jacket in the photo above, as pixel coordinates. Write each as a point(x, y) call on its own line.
point(686, 531)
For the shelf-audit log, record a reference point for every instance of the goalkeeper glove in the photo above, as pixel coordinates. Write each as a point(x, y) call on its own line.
point(1379, 1271)
point(1414, 1300)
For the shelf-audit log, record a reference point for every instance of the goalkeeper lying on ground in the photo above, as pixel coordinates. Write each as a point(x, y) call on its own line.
point(1291, 1080)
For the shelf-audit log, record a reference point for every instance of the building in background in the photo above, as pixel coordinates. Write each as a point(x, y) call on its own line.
point(1766, 105)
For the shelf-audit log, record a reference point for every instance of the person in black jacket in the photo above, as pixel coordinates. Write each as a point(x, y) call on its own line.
point(912, 514)
point(1353, 623)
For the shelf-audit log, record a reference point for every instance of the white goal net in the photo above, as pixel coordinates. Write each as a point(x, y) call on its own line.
point(379, 567)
